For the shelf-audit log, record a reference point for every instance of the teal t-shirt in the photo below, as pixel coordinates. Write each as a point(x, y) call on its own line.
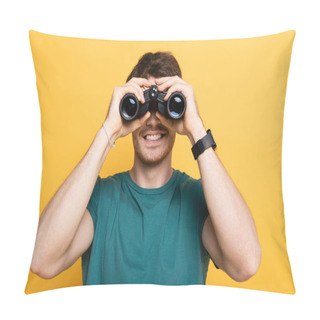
point(146, 235)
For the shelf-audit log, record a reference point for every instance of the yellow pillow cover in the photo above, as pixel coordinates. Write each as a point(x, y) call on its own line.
point(240, 87)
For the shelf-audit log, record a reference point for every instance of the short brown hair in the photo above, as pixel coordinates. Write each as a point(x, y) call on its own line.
point(158, 64)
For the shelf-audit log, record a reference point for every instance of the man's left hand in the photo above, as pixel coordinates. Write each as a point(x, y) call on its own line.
point(191, 122)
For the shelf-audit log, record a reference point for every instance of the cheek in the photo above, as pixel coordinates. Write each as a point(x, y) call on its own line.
point(172, 136)
point(135, 140)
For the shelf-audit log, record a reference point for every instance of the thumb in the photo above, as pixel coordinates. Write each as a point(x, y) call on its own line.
point(163, 119)
point(145, 117)
point(137, 123)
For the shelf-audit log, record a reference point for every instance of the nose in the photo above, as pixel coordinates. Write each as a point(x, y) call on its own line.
point(153, 119)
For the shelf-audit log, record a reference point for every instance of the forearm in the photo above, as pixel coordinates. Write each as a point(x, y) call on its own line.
point(231, 218)
point(61, 217)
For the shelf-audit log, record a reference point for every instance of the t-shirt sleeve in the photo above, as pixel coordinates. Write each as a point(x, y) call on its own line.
point(94, 200)
point(203, 214)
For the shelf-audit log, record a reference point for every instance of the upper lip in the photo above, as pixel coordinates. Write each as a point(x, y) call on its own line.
point(153, 133)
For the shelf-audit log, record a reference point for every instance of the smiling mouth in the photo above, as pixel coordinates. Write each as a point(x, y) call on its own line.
point(153, 137)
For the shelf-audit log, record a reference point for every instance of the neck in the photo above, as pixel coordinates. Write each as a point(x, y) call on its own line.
point(151, 176)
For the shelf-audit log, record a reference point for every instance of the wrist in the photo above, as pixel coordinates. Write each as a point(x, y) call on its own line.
point(197, 133)
point(112, 134)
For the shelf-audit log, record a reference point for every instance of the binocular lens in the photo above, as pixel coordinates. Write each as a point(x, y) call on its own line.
point(129, 107)
point(176, 106)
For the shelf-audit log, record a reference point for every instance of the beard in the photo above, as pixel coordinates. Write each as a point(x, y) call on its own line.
point(153, 156)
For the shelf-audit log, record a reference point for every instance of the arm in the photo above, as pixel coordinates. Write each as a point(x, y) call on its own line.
point(65, 229)
point(229, 233)
point(64, 215)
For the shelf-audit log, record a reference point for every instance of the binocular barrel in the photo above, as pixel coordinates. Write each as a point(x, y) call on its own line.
point(131, 108)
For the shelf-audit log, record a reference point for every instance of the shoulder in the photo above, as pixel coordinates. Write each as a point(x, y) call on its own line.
point(188, 183)
point(112, 181)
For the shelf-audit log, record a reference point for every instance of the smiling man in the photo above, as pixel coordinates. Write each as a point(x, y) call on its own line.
point(152, 223)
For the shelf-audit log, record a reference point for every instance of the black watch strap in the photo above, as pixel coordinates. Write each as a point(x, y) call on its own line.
point(203, 144)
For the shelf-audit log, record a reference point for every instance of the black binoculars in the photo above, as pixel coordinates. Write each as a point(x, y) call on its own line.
point(175, 106)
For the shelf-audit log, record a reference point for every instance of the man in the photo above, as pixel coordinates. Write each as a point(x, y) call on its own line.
point(151, 224)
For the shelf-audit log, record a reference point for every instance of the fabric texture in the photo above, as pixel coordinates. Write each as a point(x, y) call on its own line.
point(147, 235)
point(240, 88)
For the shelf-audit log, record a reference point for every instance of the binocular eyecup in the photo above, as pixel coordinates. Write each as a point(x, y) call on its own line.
point(131, 108)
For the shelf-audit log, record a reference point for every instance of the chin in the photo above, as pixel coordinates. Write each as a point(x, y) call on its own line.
point(152, 156)
point(152, 153)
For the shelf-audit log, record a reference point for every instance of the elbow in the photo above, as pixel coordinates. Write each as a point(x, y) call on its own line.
point(42, 270)
point(249, 268)
point(246, 273)
point(43, 273)
point(252, 266)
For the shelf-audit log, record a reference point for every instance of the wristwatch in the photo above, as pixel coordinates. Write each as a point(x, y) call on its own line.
point(203, 144)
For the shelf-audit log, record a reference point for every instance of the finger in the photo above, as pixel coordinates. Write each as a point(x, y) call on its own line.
point(141, 96)
point(164, 120)
point(141, 81)
point(137, 123)
point(144, 118)
point(167, 84)
point(174, 88)
point(162, 80)
point(131, 88)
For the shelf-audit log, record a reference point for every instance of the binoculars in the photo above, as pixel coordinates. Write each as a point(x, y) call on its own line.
point(174, 108)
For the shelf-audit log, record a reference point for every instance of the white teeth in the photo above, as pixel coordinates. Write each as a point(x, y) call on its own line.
point(155, 137)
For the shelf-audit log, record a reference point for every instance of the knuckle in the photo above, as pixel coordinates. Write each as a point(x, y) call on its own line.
point(136, 86)
point(131, 86)
point(137, 93)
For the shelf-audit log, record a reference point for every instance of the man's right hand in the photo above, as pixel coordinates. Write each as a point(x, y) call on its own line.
point(58, 248)
point(114, 122)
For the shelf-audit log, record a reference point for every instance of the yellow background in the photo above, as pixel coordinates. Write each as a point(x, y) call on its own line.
point(240, 87)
